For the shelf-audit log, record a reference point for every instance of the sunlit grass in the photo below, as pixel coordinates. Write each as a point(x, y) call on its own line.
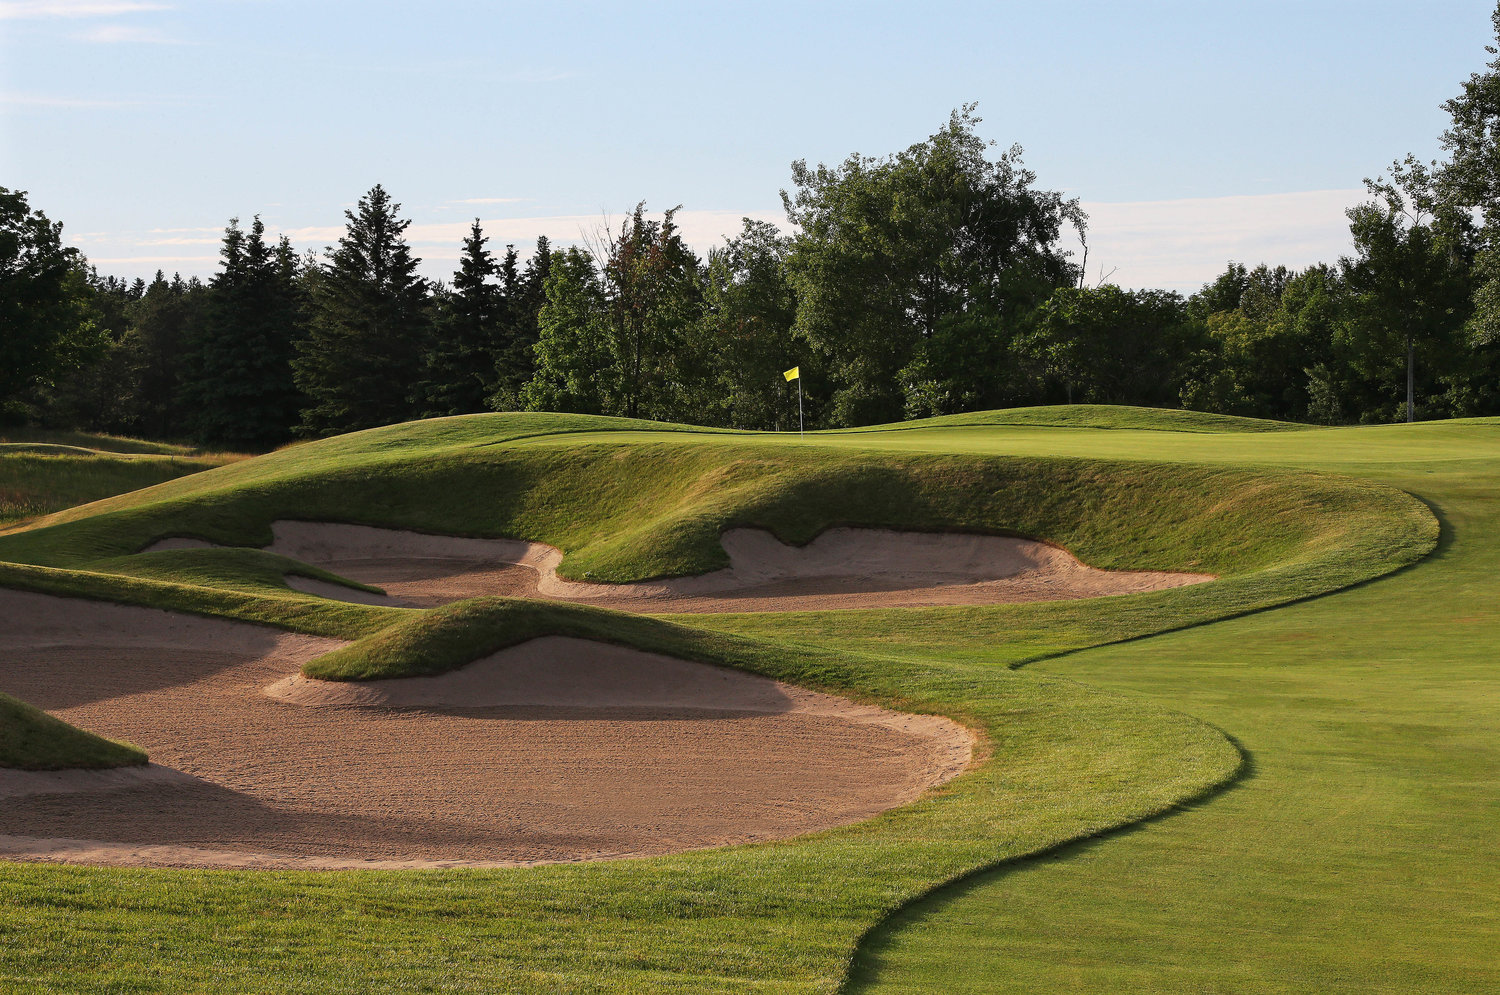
point(1064, 760)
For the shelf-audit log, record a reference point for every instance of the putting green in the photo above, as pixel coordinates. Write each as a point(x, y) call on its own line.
point(1308, 853)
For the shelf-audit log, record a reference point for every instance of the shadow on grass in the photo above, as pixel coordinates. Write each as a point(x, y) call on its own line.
point(1439, 551)
point(870, 953)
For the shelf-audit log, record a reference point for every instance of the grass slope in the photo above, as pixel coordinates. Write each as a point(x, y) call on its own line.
point(89, 442)
point(35, 483)
point(1065, 761)
point(30, 739)
point(1357, 856)
point(1097, 416)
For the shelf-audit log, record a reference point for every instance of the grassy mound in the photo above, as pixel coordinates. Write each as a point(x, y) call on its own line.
point(30, 739)
point(37, 480)
point(91, 442)
point(1115, 416)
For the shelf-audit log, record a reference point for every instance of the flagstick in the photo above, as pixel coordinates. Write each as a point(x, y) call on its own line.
point(801, 434)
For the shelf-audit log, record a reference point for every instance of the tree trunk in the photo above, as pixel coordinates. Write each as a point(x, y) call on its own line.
point(1411, 362)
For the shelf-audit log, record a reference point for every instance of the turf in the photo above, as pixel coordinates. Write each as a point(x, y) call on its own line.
point(37, 481)
point(92, 442)
point(30, 739)
point(1066, 760)
point(1355, 856)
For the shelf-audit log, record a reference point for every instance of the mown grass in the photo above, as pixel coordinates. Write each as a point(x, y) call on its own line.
point(30, 739)
point(1357, 857)
point(1095, 416)
point(1064, 761)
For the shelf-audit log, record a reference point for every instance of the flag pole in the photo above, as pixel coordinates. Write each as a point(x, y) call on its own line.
point(801, 433)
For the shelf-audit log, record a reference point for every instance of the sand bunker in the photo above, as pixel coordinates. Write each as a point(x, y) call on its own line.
point(842, 568)
point(563, 750)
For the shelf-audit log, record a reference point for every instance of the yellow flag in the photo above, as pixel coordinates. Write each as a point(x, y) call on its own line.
point(795, 373)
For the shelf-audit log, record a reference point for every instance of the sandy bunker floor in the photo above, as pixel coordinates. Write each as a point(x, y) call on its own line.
point(568, 751)
point(841, 568)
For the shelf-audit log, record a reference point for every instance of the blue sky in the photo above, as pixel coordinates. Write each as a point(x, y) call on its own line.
point(1193, 132)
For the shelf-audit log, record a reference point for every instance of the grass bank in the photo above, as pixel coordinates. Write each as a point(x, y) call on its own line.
point(30, 739)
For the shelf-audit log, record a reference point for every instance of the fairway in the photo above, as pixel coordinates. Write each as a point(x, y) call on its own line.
point(1281, 779)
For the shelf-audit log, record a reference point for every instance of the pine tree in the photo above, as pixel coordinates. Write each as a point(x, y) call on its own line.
point(369, 320)
point(156, 349)
point(523, 294)
point(239, 385)
point(459, 364)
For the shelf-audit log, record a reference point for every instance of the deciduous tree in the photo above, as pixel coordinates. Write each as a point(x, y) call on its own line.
point(893, 252)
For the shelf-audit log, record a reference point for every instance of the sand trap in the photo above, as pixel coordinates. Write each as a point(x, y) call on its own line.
point(563, 750)
point(23, 783)
point(842, 568)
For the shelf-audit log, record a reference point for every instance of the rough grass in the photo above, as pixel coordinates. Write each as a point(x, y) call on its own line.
point(90, 442)
point(34, 484)
point(30, 739)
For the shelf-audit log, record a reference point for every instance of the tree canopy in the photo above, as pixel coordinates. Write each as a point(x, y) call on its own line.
point(369, 324)
point(893, 252)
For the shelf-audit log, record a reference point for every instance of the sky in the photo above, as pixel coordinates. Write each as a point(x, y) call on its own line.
point(1193, 133)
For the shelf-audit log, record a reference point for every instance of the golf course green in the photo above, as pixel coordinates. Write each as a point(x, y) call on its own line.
point(1281, 780)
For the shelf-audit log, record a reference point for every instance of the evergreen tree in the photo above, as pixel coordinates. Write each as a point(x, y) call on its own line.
point(240, 383)
point(368, 325)
point(459, 364)
point(522, 294)
point(161, 323)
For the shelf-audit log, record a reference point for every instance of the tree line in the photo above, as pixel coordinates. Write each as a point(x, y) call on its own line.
point(931, 281)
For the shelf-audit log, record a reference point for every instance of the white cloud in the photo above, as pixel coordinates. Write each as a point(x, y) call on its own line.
point(700, 229)
point(490, 200)
point(16, 10)
point(1183, 244)
point(122, 34)
point(45, 100)
point(197, 261)
point(1171, 244)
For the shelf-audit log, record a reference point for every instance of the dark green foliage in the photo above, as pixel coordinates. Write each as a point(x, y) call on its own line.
point(894, 253)
point(240, 387)
point(619, 338)
point(1111, 346)
point(44, 325)
point(459, 363)
point(748, 311)
point(99, 389)
point(523, 293)
point(155, 346)
point(369, 325)
point(1409, 283)
point(652, 296)
point(1274, 346)
point(572, 352)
